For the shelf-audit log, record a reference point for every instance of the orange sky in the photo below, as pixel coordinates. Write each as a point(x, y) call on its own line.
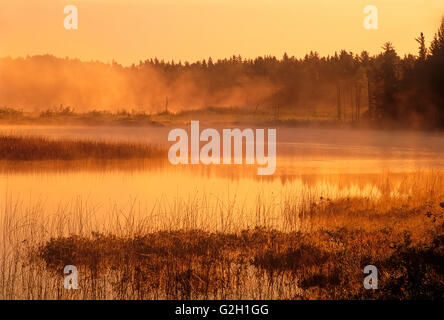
point(132, 30)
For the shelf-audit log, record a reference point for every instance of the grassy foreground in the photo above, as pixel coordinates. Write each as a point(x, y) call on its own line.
point(322, 256)
point(325, 264)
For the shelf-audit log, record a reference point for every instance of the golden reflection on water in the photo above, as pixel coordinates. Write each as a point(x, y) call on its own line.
point(312, 163)
point(209, 197)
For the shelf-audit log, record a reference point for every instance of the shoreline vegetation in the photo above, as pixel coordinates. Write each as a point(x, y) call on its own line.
point(196, 264)
point(37, 148)
point(211, 115)
point(227, 116)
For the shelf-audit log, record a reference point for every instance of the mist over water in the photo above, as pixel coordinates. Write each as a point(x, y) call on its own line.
point(311, 163)
point(426, 149)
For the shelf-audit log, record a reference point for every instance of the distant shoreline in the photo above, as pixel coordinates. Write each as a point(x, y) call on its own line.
point(231, 117)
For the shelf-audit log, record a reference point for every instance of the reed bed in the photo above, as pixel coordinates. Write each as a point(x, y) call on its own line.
point(35, 148)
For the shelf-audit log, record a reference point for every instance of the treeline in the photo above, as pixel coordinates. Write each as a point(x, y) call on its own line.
point(408, 91)
point(384, 88)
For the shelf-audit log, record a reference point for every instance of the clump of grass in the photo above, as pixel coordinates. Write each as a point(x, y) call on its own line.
point(24, 148)
point(195, 264)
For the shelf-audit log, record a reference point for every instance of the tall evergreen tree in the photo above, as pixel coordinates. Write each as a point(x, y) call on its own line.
point(422, 55)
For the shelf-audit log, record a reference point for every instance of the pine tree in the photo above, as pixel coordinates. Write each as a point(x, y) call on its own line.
point(422, 47)
point(437, 45)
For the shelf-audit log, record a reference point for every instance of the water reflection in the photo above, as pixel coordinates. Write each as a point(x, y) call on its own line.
point(222, 196)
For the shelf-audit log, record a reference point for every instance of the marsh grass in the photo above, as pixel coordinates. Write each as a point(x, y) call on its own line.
point(318, 252)
point(35, 148)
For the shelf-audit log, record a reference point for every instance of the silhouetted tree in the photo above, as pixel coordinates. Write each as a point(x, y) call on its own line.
point(387, 77)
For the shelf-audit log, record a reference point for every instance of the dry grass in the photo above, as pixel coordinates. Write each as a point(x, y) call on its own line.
point(30, 148)
point(201, 265)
